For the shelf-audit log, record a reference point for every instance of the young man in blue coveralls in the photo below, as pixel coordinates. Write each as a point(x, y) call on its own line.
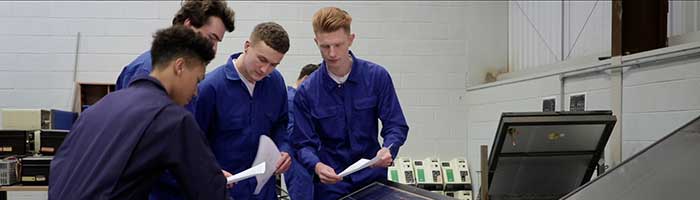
point(298, 179)
point(337, 109)
point(210, 18)
point(244, 99)
point(121, 145)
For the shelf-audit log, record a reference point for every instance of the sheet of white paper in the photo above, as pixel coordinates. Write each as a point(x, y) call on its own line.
point(250, 172)
point(357, 166)
point(267, 153)
point(360, 164)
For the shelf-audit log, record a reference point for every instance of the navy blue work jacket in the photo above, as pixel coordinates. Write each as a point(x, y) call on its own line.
point(119, 147)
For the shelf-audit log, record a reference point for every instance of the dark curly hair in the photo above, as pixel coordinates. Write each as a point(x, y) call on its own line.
point(179, 41)
point(272, 34)
point(199, 11)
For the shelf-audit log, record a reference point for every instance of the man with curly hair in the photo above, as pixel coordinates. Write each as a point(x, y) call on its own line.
point(211, 18)
point(121, 145)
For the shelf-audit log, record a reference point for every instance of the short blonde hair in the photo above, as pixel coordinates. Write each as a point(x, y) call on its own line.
point(330, 19)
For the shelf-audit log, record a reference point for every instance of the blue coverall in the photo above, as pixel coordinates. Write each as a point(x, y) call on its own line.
point(298, 179)
point(336, 124)
point(233, 121)
point(139, 66)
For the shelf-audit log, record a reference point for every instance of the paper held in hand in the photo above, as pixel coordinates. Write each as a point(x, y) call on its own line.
point(253, 171)
point(360, 164)
point(263, 167)
point(267, 153)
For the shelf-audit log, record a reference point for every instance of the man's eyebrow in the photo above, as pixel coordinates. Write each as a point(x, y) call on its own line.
point(216, 37)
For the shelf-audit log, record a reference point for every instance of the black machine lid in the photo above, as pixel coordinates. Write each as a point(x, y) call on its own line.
point(545, 155)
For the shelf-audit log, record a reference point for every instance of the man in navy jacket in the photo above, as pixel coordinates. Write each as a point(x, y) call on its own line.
point(121, 145)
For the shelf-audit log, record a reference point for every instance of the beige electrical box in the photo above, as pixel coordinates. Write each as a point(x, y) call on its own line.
point(428, 174)
point(26, 119)
point(401, 171)
point(456, 175)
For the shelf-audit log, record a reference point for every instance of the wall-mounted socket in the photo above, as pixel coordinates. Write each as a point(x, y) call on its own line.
point(577, 102)
point(549, 104)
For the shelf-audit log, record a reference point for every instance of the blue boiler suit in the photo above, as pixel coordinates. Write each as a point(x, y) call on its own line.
point(336, 124)
point(139, 66)
point(233, 122)
point(299, 180)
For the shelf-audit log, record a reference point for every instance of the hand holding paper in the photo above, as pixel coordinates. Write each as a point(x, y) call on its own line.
point(364, 163)
point(326, 174)
point(267, 153)
point(384, 156)
point(227, 175)
point(284, 163)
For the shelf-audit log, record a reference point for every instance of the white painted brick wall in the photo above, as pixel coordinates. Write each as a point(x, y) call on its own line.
point(424, 45)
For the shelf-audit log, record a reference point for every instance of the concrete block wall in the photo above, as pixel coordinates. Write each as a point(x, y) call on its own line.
point(427, 47)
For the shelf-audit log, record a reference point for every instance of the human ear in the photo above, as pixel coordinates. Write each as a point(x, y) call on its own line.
point(179, 66)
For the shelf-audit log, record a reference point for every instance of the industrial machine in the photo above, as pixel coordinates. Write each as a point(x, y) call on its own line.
point(16, 142)
point(26, 119)
point(545, 155)
point(47, 142)
point(456, 175)
point(428, 174)
point(8, 171)
point(35, 170)
point(401, 171)
point(456, 178)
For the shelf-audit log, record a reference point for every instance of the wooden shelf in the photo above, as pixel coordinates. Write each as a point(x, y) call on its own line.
point(87, 94)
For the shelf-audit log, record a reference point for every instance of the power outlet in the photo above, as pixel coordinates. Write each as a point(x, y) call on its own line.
point(577, 102)
point(549, 104)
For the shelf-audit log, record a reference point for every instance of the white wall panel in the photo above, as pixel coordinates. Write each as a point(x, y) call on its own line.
point(537, 36)
point(683, 17)
point(534, 33)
